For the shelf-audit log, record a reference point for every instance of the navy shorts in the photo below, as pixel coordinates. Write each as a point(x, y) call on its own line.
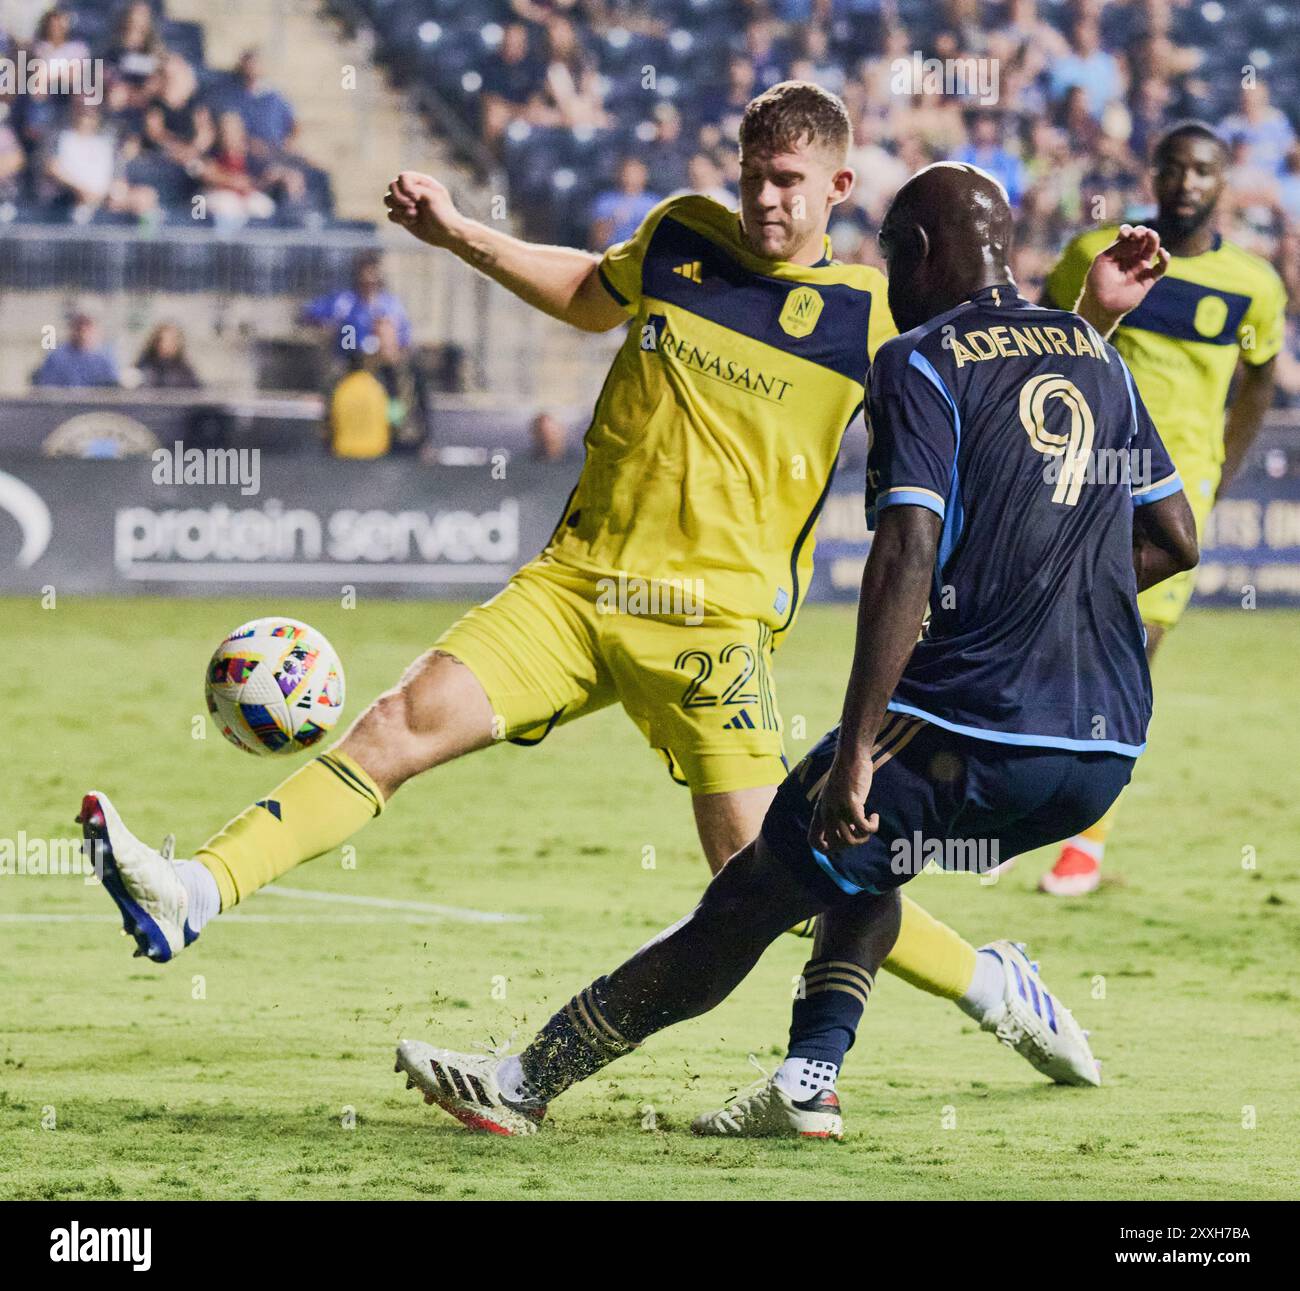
point(967, 804)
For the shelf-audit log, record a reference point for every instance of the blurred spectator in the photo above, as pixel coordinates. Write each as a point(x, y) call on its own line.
point(723, 106)
point(84, 171)
point(358, 423)
point(134, 58)
point(512, 82)
point(934, 120)
point(176, 122)
point(572, 93)
point(880, 172)
point(268, 119)
point(764, 57)
point(704, 176)
point(617, 213)
point(821, 66)
point(1251, 192)
point(1087, 66)
point(238, 183)
point(353, 315)
point(82, 360)
point(163, 364)
point(405, 386)
point(1082, 129)
point(987, 150)
point(547, 438)
point(1288, 187)
point(1262, 128)
point(666, 141)
point(54, 43)
point(13, 161)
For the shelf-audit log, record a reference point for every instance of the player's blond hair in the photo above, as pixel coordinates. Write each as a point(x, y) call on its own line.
point(792, 113)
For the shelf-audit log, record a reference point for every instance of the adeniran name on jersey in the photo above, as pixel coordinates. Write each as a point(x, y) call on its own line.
point(1034, 581)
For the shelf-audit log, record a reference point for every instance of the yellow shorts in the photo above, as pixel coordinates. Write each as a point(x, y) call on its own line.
point(556, 643)
point(1164, 603)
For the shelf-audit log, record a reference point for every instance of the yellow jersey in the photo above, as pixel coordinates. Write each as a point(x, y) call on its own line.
point(1183, 342)
point(714, 439)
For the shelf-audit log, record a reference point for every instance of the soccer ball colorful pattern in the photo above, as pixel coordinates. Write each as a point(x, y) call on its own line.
point(274, 686)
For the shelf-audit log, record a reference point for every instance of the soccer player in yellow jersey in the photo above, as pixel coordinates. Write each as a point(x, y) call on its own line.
point(679, 562)
point(1218, 312)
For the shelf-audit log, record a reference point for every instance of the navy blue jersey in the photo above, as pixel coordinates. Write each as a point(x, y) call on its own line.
point(1022, 429)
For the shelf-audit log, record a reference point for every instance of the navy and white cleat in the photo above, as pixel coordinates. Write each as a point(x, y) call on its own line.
point(142, 880)
point(465, 1085)
point(1035, 1023)
point(766, 1111)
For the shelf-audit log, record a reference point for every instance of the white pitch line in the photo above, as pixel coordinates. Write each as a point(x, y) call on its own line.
point(421, 912)
point(388, 903)
point(423, 920)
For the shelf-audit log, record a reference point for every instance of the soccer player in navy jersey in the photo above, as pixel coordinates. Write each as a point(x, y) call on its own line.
point(1022, 498)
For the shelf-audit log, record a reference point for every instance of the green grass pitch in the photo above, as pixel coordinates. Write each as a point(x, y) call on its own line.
point(259, 1064)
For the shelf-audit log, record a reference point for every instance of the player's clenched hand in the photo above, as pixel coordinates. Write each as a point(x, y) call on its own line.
point(1125, 271)
point(423, 206)
point(840, 820)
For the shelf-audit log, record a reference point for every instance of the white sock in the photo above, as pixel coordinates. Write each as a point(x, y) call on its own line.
point(801, 1078)
point(205, 898)
point(985, 989)
point(510, 1078)
point(1093, 847)
point(513, 1084)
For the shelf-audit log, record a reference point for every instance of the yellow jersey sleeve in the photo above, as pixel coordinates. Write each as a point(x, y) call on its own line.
point(1065, 283)
point(620, 266)
point(1263, 328)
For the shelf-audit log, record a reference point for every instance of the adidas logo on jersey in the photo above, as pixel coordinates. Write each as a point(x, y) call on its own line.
point(741, 722)
point(691, 271)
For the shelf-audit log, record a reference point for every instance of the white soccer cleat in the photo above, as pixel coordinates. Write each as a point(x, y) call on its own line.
point(1036, 1024)
point(766, 1111)
point(141, 879)
point(465, 1084)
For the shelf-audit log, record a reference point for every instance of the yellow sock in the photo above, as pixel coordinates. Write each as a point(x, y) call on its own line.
point(929, 955)
point(1093, 839)
point(318, 807)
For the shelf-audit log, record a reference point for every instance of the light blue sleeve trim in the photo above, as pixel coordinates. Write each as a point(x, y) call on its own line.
point(1015, 737)
point(911, 498)
point(1157, 491)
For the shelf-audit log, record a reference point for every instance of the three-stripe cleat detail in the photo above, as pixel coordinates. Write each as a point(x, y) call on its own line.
point(465, 1085)
point(1032, 1020)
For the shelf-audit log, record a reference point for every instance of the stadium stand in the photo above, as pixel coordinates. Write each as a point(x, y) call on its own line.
point(552, 104)
point(563, 92)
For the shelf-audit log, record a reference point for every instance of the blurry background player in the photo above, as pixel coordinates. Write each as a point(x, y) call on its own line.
point(747, 353)
point(1218, 312)
point(983, 730)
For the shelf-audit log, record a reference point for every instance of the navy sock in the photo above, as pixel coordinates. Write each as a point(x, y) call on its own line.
point(576, 1043)
point(826, 1013)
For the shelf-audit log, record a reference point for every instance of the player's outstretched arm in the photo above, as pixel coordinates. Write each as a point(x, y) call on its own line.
point(1164, 540)
point(1120, 277)
point(1253, 400)
point(891, 609)
point(560, 281)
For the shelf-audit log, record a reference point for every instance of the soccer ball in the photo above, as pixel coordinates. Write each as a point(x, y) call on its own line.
point(274, 686)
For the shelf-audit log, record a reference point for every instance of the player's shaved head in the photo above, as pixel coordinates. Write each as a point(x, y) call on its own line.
point(946, 234)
